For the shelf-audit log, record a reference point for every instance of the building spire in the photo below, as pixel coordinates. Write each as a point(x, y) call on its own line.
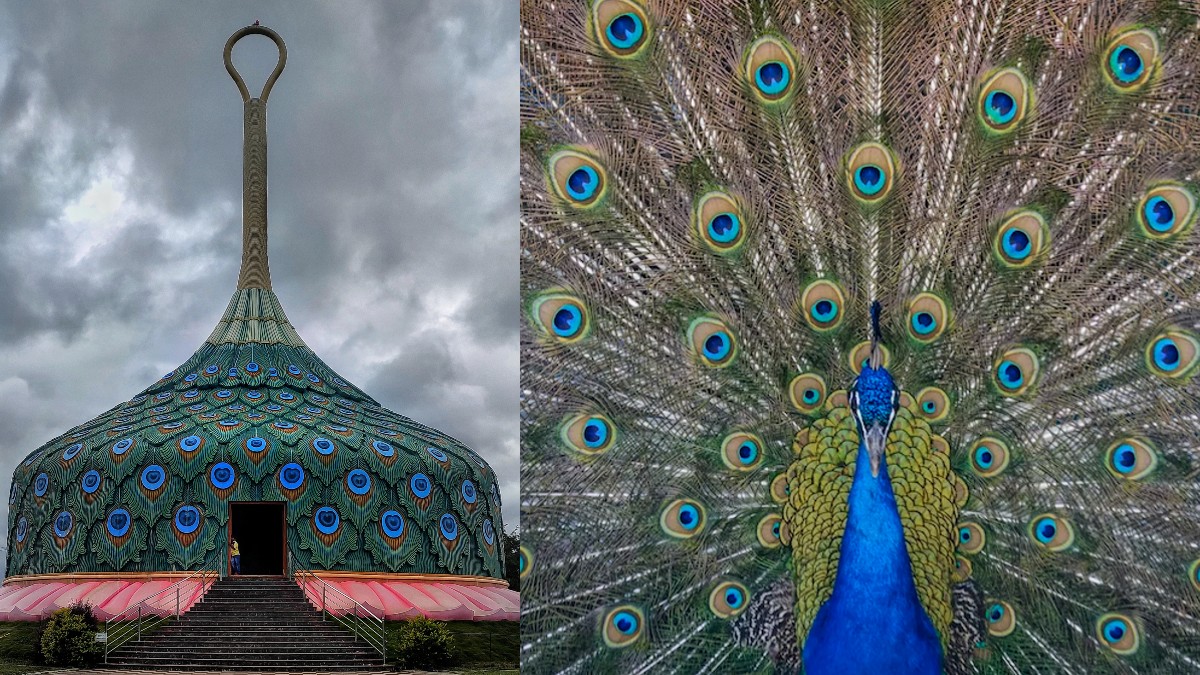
point(255, 271)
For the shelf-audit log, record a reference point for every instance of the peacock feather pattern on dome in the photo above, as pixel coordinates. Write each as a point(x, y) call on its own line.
point(732, 463)
point(254, 415)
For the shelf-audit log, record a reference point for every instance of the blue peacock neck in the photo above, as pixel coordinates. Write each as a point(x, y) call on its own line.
point(874, 621)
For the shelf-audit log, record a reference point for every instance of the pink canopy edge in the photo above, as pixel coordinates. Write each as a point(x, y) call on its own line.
point(108, 598)
point(389, 599)
point(443, 601)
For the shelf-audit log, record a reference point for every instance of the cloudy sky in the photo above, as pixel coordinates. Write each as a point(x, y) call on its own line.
point(393, 204)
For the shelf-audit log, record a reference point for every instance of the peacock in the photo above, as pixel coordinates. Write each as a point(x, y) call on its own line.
point(860, 336)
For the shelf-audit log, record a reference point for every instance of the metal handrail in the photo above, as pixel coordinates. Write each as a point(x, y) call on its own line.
point(148, 614)
point(353, 615)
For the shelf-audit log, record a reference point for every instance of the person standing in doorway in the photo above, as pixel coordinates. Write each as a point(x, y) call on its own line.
point(235, 557)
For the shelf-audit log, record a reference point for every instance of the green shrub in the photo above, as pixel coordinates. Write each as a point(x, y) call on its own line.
point(70, 638)
point(423, 644)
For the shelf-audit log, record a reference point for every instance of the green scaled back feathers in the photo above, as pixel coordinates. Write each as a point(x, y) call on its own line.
point(712, 196)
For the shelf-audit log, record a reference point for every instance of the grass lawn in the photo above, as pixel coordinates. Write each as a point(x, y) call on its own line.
point(482, 647)
point(17, 647)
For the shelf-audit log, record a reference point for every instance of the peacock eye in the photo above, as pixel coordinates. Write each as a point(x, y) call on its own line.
point(870, 168)
point(971, 538)
point(1173, 354)
point(682, 518)
point(588, 434)
point(934, 404)
point(807, 392)
point(989, 457)
point(769, 530)
point(823, 303)
point(1003, 100)
point(1052, 532)
point(712, 341)
point(741, 451)
point(624, 27)
point(578, 179)
point(1131, 459)
point(623, 626)
point(1000, 618)
point(770, 69)
point(1130, 59)
point(728, 599)
point(1166, 210)
point(1016, 371)
point(1119, 633)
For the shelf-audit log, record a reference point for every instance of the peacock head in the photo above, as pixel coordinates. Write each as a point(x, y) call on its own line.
point(874, 399)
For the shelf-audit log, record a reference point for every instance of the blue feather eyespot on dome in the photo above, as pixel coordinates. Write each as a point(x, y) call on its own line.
point(191, 377)
point(717, 219)
point(222, 475)
point(1166, 211)
point(1119, 633)
point(64, 522)
point(1173, 354)
point(437, 454)
point(971, 537)
point(254, 395)
point(191, 393)
point(159, 409)
point(469, 494)
point(823, 304)
point(588, 434)
point(933, 404)
point(224, 393)
point(770, 531)
point(211, 370)
point(122, 446)
point(770, 70)
point(287, 396)
point(623, 27)
point(712, 342)
point(171, 426)
point(622, 626)
point(807, 392)
point(71, 451)
point(323, 446)
point(252, 367)
point(41, 484)
point(1015, 371)
point(118, 523)
point(1131, 60)
point(312, 378)
point(1000, 618)
point(870, 171)
point(327, 520)
point(153, 477)
point(358, 482)
point(233, 372)
point(561, 317)
point(728, 599)
point(1004, 99)
point(256, 445)
point(293, 369)
point(989, 457)
point(274, 407)
point(291, 476)
point(272, 372)
point(315, 411)
point(448, 524)
point(489, 532)
point(682, 518)
point(384, 448)
point(1131, 458)
point(22, 529)
point(392, 524)
point(577, 178)
point(91, 482)
point(742, 451)
point(420, 485)
point(187, 519)
point(1051, 532)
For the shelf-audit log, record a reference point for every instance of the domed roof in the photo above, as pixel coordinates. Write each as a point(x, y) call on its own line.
point(254, 415)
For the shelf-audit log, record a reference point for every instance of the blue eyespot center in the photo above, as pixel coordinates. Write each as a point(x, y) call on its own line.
point(811, 395)
point(929, 407)
point(995, 613)
point(1126, 64)
point(595, 433)
point(1166, 354)
point(1046, 529)
point(624, 31)
point(567, 320)
point(1124, 458)
point(748, 452)
point(824, 311)
point(772, 77)
point(1115, 630)
point(717, 346)
point(923, 323)
point(625, 622)
point(689, 516)
point(583, 183)
point(1017, 244)
point(724, 228)
point(1001, 107)
point(733, 598)
point(983, 457)
point(1159, 214)
point(869, 179)
point(1011, 375)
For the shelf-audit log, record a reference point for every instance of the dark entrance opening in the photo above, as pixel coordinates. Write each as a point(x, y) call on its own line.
point(260, 530)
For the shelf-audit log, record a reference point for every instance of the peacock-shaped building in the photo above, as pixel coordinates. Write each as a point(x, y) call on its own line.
point(255, 438)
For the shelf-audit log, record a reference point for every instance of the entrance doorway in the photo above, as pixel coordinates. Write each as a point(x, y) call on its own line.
point(261, 532)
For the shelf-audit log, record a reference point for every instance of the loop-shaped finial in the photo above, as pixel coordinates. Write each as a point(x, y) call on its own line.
point(237, 78)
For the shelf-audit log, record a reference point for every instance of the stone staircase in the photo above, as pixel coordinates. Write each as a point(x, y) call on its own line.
point(250, 623)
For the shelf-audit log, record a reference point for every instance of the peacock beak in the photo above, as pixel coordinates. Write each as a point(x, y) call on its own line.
point(876, 440)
